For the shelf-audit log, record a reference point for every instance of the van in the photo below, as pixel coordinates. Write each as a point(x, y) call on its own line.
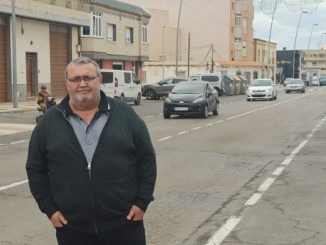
point(215, 80)
point(121, 84)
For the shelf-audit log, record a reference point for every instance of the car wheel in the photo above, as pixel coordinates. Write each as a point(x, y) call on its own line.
point(205, 112)
point(166, 115)
point(303, 91)
point(137, 101)
point(215, 111)
point(150, 94)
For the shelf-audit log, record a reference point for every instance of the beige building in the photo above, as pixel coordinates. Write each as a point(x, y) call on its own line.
point(313, 63)
point(116, 36)
point(46, 39)
point(268, 61)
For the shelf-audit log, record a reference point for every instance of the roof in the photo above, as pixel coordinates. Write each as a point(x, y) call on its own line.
point(125, 7)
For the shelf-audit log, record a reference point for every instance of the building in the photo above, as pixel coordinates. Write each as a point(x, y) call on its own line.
point(265, 53)
point(284, 60)
point(116, 36)
point(313, 63)
point(46, 39)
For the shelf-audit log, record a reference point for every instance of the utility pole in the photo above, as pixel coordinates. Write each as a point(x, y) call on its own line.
point(177, 46)
point(212, 66)
point(13, 42)
point(163, 55)
point(188, 53)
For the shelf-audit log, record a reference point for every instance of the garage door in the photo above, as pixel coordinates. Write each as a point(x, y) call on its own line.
point(59, 59)
point(3, 65)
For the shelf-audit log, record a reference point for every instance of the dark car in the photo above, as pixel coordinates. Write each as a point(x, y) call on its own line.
point(161, 88)
point(191, 98)
point(322, 81)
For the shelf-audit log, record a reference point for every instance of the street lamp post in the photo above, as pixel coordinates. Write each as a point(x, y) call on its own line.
point(295, 39)
point(312, 28)
point(163, 54)
point(321, 39)
point(177, 46)
point(14, 68)
point(269, 41)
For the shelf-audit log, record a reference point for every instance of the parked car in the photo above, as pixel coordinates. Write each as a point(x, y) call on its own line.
point(286, 80)
point(121, 84)
point(315, 81)
point(261, 89)
point(161, 88)
point(295, 85)
point(214, 78)
point(191, 98)
point(322, 80)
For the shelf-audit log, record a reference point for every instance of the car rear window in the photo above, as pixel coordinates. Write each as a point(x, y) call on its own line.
point(210, 78)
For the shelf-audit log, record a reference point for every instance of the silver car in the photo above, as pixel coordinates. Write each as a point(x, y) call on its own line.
point(161, 88)
point(261, 89)
point(295, 85)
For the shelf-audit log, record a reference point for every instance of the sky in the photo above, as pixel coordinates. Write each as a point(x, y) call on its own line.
point(286, 19)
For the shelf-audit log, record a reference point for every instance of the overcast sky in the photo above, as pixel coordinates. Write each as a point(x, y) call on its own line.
point(285, 23)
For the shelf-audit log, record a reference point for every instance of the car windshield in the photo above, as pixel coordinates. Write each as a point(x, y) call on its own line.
point(189, 88)
point(210, 78)
point(261, 83)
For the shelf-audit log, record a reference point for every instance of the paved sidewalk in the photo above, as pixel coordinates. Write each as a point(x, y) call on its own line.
point(21, 106)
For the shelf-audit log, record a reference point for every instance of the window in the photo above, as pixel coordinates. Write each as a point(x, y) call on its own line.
point(107, 77)
point(127, 77)
point(144, 29)
point(244, 48)
point(112, 32)
point(237, 19)
point(94, 29)
point(129, 35)
point(244, 25)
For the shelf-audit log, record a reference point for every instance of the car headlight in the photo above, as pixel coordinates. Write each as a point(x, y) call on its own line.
point(167, 100)
point(198, 100)
point(269, 90)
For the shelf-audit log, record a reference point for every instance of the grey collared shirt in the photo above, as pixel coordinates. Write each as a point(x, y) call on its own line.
point(88, 135)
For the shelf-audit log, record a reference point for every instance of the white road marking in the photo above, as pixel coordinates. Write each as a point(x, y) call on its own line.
point(17, 142)
point(183, 132)
point(209, 124)
point(222, 233)
point(253, 199)
point(195, 128)
point(13, 185)
point(286, 161)
point(150, 116)
point(165, 138)
point(267, 183)
point(278, 171)
point(220, 121)
point(299, 147)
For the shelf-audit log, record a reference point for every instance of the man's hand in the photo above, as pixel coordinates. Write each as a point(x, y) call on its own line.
point(135, 213)
point(58, 220)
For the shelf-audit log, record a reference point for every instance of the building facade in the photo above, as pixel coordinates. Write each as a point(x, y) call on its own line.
point(116, 36)
point(313, 63)
point(47, 37)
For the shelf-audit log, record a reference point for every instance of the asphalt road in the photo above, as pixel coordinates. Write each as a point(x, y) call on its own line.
point(254, 174)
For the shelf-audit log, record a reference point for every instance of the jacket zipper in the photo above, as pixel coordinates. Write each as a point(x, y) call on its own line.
point(89, 168)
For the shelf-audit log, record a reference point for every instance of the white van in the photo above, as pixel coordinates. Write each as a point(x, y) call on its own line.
point(121, 84)
point(214, 78)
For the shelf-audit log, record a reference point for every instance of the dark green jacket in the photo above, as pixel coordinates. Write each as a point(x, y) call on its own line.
point(123, 171)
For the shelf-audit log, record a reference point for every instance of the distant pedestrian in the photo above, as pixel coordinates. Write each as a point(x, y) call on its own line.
point(91, 164)
point(42, 98)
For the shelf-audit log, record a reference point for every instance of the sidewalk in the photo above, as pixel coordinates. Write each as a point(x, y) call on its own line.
point(21, 106)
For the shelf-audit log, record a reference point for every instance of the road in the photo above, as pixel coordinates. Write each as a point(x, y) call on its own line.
point(254, 174)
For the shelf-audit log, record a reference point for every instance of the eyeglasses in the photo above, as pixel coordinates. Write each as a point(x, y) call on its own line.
point(86, 79)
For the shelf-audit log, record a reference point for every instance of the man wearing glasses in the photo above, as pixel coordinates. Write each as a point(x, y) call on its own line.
point(91, 164)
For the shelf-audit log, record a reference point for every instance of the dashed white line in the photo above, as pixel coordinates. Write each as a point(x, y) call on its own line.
point(195, 128)
point(13, 185)
point(183, 132)
point(165, 138)
point(17, 142)
point(267, 183)
point(278, 171)
point(222, 233)
point(209, 124)
point(253, 199)
point(286, 161)
point(150, 116)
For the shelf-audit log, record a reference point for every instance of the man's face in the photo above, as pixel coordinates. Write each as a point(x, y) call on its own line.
point(83, 84)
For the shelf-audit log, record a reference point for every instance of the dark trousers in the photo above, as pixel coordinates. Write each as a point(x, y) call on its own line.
point(131, 234)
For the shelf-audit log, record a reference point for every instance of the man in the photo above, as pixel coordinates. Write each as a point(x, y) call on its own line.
point(42, 98)
point(91, 165)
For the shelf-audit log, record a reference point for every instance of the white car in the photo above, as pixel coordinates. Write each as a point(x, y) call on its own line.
point(295, 85)
point(261, 89)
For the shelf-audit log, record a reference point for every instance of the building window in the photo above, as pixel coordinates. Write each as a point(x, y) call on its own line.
point(144, 31)
point(244, 48)
point(129, 35)
point(112, 32)
point(237, 19)
point(237, 43)
point(94, 29)
point(244, 25)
